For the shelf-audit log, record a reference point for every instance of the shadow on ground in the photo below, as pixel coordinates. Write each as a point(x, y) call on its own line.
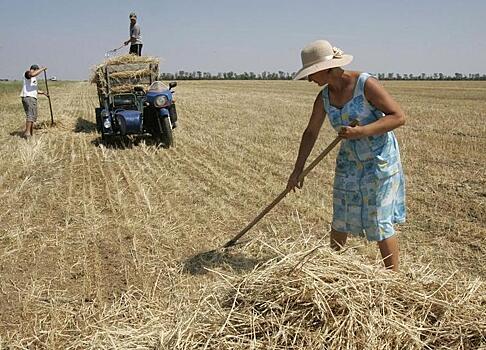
point(18, 133)
point(218, 258)
point(127, 142)
point(119, 142)
point(45, 125)
point(84, 125)
point(37, 126)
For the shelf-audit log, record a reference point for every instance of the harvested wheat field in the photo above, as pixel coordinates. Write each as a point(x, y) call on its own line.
point(112, 247)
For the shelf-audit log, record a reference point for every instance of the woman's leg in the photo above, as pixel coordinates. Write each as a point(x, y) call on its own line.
point(389, 252)
point(338, 239)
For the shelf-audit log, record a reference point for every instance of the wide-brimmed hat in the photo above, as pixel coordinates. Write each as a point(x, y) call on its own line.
point(320, 55)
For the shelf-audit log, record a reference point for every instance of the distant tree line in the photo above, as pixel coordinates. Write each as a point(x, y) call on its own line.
point(434, 76)
point(198, 75)
point(281, 75)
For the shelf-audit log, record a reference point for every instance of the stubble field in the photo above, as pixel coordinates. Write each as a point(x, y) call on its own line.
point(99, 245)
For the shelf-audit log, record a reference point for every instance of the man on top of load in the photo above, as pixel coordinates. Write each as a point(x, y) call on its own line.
point(135, 36)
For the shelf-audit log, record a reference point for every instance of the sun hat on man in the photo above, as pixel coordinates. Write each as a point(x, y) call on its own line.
point(320, 55)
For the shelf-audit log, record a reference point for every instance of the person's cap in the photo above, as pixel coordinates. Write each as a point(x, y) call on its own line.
point(132, 15)
point(34, 67)
point(320, 55)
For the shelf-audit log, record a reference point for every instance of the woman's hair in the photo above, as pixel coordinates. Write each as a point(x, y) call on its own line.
point(333, 69)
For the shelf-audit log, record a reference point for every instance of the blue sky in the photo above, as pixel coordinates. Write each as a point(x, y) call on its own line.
point(253, 35)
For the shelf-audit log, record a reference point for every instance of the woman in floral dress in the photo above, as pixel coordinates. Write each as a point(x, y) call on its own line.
point(369, 189)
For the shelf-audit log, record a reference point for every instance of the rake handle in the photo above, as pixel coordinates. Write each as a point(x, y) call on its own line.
point(269, 207)
point(49, 98)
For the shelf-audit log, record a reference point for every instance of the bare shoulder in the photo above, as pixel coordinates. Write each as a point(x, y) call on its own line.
point(352, 76)
point(318, 103)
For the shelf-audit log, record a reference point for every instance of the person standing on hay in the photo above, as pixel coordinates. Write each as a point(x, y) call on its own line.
point(29, 98)
point(369, 189)
point(135, 36)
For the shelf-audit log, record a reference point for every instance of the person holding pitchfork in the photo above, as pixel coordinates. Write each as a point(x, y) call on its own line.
point(29, 98)
point(369, 187)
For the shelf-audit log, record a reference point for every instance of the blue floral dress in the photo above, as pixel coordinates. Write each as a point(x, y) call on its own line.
point(369, 188)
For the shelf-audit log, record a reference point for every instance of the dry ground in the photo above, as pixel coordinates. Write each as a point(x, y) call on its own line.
point(97, 244)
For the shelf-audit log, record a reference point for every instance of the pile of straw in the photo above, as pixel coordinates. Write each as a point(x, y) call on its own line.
point(322, 300)
point(131, 71)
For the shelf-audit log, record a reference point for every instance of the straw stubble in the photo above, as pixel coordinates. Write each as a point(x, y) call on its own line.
point(336, 301)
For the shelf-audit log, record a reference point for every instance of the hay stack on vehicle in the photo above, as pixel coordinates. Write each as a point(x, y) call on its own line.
point(132, 101)
point(125, 74)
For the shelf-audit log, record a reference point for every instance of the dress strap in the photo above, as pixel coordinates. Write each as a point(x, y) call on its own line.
point(359, 88)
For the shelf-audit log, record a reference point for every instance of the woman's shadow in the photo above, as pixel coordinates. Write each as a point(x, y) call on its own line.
point(201, 263)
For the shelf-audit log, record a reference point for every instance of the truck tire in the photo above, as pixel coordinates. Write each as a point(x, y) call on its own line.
point(98, 119)
point(107, 140)
point(166, 131)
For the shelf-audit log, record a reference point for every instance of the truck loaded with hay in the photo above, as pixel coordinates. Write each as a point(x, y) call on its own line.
point(132, 100)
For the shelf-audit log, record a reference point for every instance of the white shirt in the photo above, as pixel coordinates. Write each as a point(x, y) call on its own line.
point(135, 33)
point(29, 88)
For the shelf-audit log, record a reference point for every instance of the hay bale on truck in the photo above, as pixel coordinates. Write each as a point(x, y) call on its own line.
point(125, 73)
point(132, 101)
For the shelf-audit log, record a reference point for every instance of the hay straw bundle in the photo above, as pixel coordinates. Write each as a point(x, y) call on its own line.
point(130, 74)
point(126, 72)
point(128, 58)
point(322, 300)
point(126, 88)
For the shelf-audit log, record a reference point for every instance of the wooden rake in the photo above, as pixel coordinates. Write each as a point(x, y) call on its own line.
point(49, 98)
point(306, 171)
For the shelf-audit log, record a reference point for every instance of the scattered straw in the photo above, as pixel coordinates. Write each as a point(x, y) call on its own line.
point(330, 301)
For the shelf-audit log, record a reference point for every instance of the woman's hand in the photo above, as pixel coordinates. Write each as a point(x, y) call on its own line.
point(351, 132)
point(294, 182)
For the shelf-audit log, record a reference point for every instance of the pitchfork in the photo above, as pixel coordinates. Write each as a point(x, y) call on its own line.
point(306, 171)
point(199, 263)
point(112, 52)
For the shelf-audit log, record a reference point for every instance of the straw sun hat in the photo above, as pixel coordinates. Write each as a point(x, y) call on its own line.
point(320, 55)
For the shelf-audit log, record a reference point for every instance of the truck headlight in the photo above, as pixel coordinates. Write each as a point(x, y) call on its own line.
point(107, 124)
point(161, 101)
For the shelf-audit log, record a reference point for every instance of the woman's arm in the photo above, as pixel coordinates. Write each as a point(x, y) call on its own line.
point(307, 142)
point(394, 117)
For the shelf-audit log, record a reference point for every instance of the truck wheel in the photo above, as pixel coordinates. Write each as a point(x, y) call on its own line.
point(106, 139)
point(98, 119)
point(166, 131)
